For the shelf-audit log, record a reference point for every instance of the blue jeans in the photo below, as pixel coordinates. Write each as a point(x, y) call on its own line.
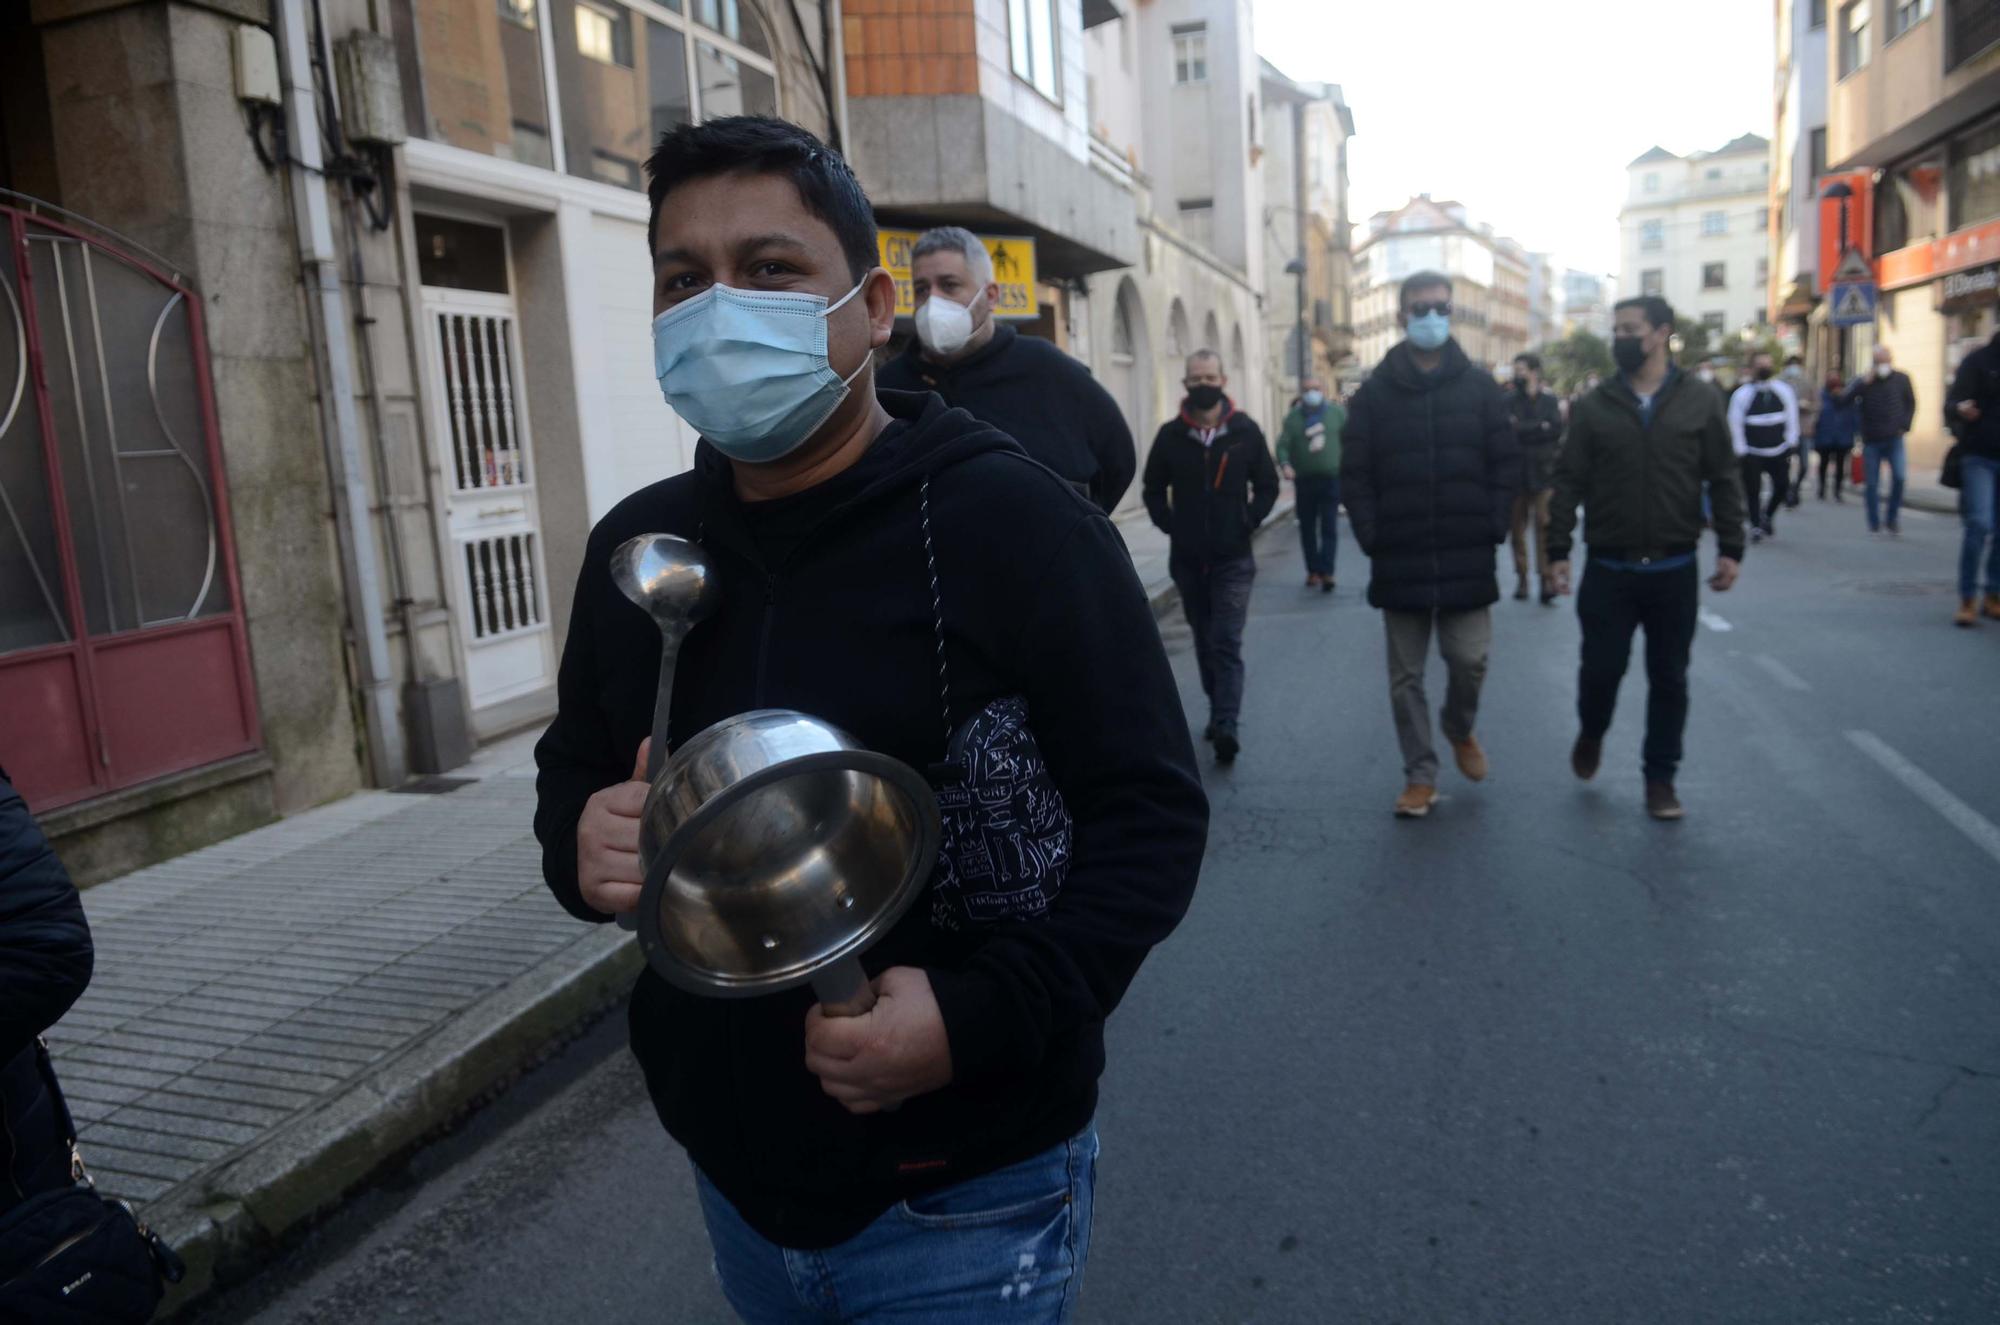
point(1872, 456)
point(1976, 503)
point(1319, 526)
point(1006, 1246)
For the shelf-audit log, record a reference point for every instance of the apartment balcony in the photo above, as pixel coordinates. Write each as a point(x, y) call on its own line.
point(942, 129)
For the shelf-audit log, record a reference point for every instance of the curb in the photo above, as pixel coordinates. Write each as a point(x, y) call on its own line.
point(1166, 598)
point(233, 1218)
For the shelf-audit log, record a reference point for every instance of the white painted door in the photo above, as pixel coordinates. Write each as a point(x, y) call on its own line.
point(493, 522)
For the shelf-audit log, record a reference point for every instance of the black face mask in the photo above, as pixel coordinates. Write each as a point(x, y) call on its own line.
point(1204, 397)
point(1763, 374)
point(1630, 352)
point(1521, 385)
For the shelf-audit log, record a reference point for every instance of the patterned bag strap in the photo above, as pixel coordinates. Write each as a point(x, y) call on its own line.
point(937, 618)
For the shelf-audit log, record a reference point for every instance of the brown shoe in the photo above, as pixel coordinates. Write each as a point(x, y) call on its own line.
point(1585, 756)
point(1661, 802)
point(1416, 801)
point(1471, 759)
point(1968, 613)
point(1992, 607)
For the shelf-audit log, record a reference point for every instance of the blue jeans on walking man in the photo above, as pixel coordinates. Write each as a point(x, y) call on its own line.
point(1872, 456)
point(1976, 502)
point(1006, 1246)
point(1319, 521)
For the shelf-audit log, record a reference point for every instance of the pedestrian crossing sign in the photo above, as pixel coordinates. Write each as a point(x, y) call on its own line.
point(1853, 303)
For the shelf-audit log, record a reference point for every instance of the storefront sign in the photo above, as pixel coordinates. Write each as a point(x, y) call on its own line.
point(1013, 270)
point(1968, 289)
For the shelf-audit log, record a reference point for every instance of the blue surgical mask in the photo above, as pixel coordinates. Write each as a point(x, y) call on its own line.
point(1313, 399)
point(747, 369)
point(1429, 331)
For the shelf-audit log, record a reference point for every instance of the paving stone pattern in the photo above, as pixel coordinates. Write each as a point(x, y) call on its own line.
point(239, 986)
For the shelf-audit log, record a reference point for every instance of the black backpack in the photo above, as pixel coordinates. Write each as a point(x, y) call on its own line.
point(1765, 436)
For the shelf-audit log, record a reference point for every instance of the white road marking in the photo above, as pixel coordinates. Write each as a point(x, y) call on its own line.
point(1714, 622)
point(1956, 812)
point(1784, 675)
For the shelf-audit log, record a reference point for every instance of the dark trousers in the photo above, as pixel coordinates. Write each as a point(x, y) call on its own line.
point(1835, 463)
point(1319, 525)
point(1756, 467)
point(1611, 604)
point(1216, 598)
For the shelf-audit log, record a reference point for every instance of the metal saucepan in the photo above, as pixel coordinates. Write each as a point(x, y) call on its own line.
point(776, 851)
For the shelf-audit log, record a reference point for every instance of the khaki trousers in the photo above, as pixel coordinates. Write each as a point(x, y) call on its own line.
point(1464, 639)
point(1531, 508)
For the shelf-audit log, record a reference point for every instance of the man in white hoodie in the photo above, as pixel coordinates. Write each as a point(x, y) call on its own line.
point(1764, 425)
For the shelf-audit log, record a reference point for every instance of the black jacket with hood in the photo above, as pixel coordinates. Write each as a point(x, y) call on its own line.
point(1977, 380)
point(1208, 500)
point(1039, 600)
point(45, 961)
point(1427, 472)
point(1038, 395)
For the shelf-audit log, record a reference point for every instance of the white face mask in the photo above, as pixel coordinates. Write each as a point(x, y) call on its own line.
point(944, 325)
point(1705, 374)
point(1883, 369)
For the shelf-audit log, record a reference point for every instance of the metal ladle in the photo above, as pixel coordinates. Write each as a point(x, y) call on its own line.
point(671, 581)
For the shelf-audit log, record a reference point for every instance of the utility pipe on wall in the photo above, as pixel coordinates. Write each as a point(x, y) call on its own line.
point(327, 324)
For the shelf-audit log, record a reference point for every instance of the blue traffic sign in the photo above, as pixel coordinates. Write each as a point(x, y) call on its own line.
point(1852, 303)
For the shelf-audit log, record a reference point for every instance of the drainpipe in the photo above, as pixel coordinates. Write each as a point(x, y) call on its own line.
point(327, 326)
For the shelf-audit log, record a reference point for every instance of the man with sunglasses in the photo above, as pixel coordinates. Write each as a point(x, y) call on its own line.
point(1429, 466)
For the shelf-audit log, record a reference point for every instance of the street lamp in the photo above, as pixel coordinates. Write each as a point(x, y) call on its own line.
point(1297, 267)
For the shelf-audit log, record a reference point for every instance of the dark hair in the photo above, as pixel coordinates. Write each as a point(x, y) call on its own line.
point(1530, 358)
point(1658, 312)
point(1422, 280)
point(761, 145)
point(1791, 359)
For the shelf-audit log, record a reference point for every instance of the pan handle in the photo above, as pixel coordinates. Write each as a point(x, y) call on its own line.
point(843, 989)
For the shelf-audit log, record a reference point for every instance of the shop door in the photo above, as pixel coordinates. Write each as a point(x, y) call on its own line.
point(123, 655)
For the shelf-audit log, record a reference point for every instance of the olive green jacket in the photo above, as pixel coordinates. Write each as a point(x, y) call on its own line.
point(1640, 483)
point(1295, 449)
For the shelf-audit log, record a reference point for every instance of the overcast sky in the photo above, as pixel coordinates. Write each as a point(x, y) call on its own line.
point(1527, 112)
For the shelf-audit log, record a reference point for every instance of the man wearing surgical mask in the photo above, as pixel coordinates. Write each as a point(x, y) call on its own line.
point(1429, 467)
point(1022, 385)
point(889, 566)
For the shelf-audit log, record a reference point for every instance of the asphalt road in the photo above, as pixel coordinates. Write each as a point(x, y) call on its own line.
point(1536, 1058)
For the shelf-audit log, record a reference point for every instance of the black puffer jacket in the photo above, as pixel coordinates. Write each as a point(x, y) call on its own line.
point(1888, 405)
point(1978, 381)
point(1428, 471)
point(45, 962)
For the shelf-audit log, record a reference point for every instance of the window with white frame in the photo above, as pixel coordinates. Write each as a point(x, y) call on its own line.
point(1714, 275)
point(1198, 221)
point(1653, 281)
point(1714, 223)
point(1652, 182)
point(604, 34)
point(1652, 235)
point(1716, 325)
point(1853, 36)
point(1031, 31)
point(519, 12)
point(1190, 52)
point(1907, 14)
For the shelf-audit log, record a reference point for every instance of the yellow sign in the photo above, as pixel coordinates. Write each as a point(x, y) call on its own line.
point(1013, 270)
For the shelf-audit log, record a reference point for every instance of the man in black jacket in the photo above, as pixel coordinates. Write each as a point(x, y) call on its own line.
point(1538, 426)
point(1972, 411)
point(1022, 385)
point(1888, 407)
point(1640, 449)
point(1210, 482)
point(45, 961)
point(826, 512)
point(1429, 467)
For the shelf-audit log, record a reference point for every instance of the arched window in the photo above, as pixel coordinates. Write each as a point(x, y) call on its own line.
point(1177, 332)
point(1122, 341)
point(1237, 363)
point(1211, 335)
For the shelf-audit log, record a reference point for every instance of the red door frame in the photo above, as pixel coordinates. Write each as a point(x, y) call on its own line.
point(83, 649)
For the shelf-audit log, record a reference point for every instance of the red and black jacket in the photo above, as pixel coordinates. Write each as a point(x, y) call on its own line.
point(1209, 498)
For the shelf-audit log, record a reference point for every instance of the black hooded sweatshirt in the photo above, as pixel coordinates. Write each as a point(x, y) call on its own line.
point(1428, 469)
point(1039, 396)
point(826, 608)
